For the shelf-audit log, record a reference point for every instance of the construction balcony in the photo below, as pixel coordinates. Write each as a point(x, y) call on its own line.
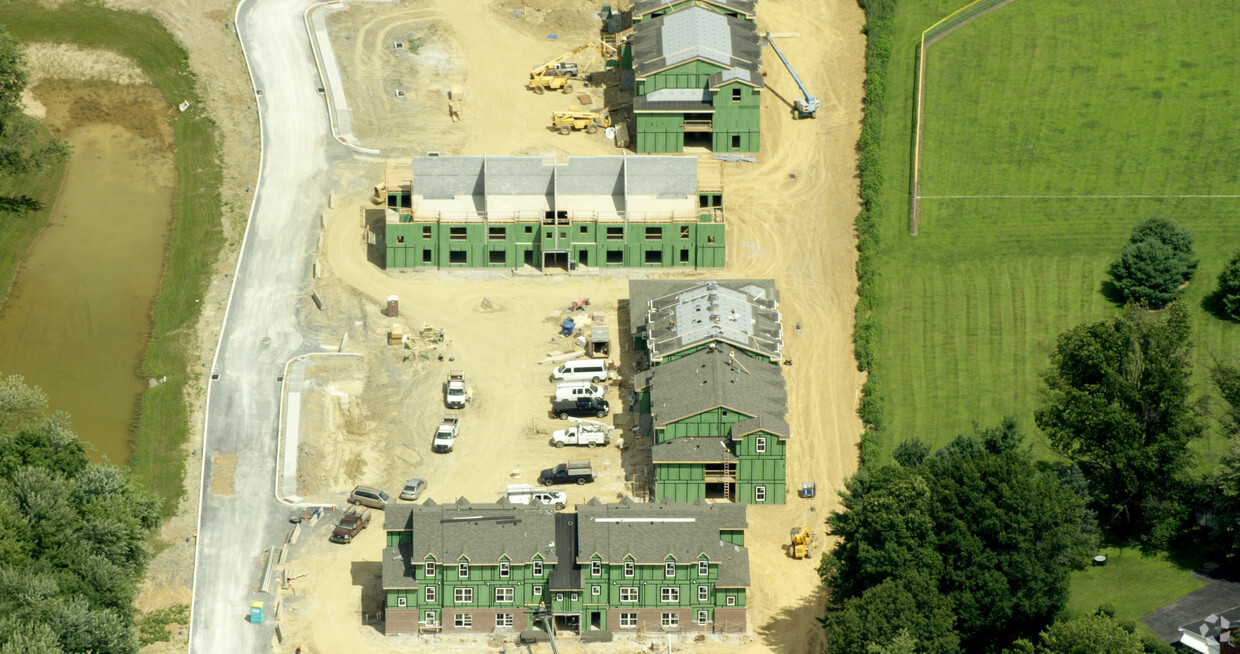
point(703, 126)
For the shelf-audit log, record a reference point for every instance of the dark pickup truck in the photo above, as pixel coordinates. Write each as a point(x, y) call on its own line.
point(350, 525)
point(573, 472)
point(583, 406)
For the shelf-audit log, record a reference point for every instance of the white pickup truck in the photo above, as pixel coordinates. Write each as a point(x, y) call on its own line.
point(445, 436)
point(584, 433)
point(455, 394)
point(527, 494)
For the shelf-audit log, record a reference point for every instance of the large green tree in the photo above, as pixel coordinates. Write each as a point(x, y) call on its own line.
point(953, 518)
point(1116, 402)
point(1157, 260)
point(1093, 634)
point(72, 536)
point(23, 149)
point(1226, 377)
point(910, 605)
point(1228, 293)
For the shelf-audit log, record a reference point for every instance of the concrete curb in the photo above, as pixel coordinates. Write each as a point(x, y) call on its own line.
point(338, 113)
point(286, 471)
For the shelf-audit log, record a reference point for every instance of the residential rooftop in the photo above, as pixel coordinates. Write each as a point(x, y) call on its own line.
point(675, 315)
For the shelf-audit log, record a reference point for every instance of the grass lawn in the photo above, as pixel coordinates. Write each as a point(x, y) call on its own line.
point(1132, 582)
point(161, 425)
point(1054, 97)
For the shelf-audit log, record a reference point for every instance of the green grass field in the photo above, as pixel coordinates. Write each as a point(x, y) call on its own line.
point(161, 424)
point(1045, 97)
point(1132, 582)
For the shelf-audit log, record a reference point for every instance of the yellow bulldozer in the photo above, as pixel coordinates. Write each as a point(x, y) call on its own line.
point(803, 543)
point(576, 118)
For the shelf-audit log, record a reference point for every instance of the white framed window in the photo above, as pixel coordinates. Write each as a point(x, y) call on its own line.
point(429, 593)
point(428, 570)
point(573, 597)
point(596, 568)
point(463, 595)
point(503, 569)
point(402, 602)
point(703, 592)
point(538, 568)
point(703, 617)
point(669, 594)
point(628, 568)
point(670, 620)
point(759, 493)
point(505, 619)
point(462, 570)
point(760, 444)
point(703, 568)
point(537, 591)
point(430, 618)
point(464, 620)
point(596, 590)
point(669, 569)
point(628, 593)
point(504, 594)
point(628, 620)
point(731, 601)
point(559, 597)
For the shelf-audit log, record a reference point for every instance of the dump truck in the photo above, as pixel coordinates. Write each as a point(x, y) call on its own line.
point(455, 393)
point(445, 435)
point(527, 494)
point(586, 432)
point(577, 118)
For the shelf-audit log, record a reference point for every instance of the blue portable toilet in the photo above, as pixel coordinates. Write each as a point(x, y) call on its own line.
point(567, 327)
point(256, 613)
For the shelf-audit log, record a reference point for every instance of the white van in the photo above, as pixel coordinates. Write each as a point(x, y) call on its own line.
point(591, 370)
point(570, 391)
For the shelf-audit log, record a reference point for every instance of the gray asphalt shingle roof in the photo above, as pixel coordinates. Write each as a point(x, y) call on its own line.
point(677, 315)
point(743, 74)
point(651, 532)
point(704, 380)
point(691, 33)
point(480, 532)
point(768, 423)
point(397, 573)
point(692, 450)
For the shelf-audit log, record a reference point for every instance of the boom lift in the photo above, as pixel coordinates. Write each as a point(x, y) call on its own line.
point(805, 106)
point(565, 122)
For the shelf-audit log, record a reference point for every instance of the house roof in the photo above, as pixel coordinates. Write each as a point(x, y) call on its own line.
point(692, 450)
point(566, 575)
point(694, 33)
point(1212, 627)
point(741, 7)
point(674, 101)
point(480, 532)
point(650, 532)
point(768, 423)
point(397, 573)
point(705, 380)
point(732, 74)
point(677, 315)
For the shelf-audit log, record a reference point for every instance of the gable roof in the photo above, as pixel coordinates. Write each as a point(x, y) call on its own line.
point(694, 33)
point(482, 533)
point(724, 378)
point(736, 74)
point(771, 424)
point(678, 315)
point(651, 532)
point(740, 7)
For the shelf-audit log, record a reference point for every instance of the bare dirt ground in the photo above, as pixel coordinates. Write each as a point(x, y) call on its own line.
point(790, 218)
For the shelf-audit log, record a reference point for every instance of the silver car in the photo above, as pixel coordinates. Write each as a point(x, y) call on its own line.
point(413, 489)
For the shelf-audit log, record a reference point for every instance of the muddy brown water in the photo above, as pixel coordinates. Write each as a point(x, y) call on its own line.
point(78, 319)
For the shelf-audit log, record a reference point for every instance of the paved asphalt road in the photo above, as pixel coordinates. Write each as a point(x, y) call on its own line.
point(271, 282)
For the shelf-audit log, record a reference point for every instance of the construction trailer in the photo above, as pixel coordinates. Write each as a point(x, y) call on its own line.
point(622, 567)
point(697, 82)
point(508, 212)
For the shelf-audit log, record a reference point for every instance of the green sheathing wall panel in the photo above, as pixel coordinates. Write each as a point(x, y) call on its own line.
point(644, 401)
point(690, 75)
point(734, 536)
point(722, 595)
point(713, 423)
point(395, 538)
point(680, 482)
point(765, 469)
point(702, 346)
point(659, 133)
point(736, 123)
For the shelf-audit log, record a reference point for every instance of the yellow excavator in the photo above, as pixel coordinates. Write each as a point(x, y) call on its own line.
point(803, 543)
point(557, 74)
point(576, 118)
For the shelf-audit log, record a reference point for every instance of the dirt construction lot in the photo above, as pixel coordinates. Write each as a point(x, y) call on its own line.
point(369, 420)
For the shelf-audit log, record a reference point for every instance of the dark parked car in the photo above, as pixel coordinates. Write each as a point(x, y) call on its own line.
point(584, 406)
point(371, 497)
point(573, 472)
point(350, 525)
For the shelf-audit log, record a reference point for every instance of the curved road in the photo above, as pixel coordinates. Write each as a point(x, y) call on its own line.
point(243, 403)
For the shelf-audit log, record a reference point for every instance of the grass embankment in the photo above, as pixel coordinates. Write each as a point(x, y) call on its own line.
point(1043, 98)
point(161, 423)
point(19, 230)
